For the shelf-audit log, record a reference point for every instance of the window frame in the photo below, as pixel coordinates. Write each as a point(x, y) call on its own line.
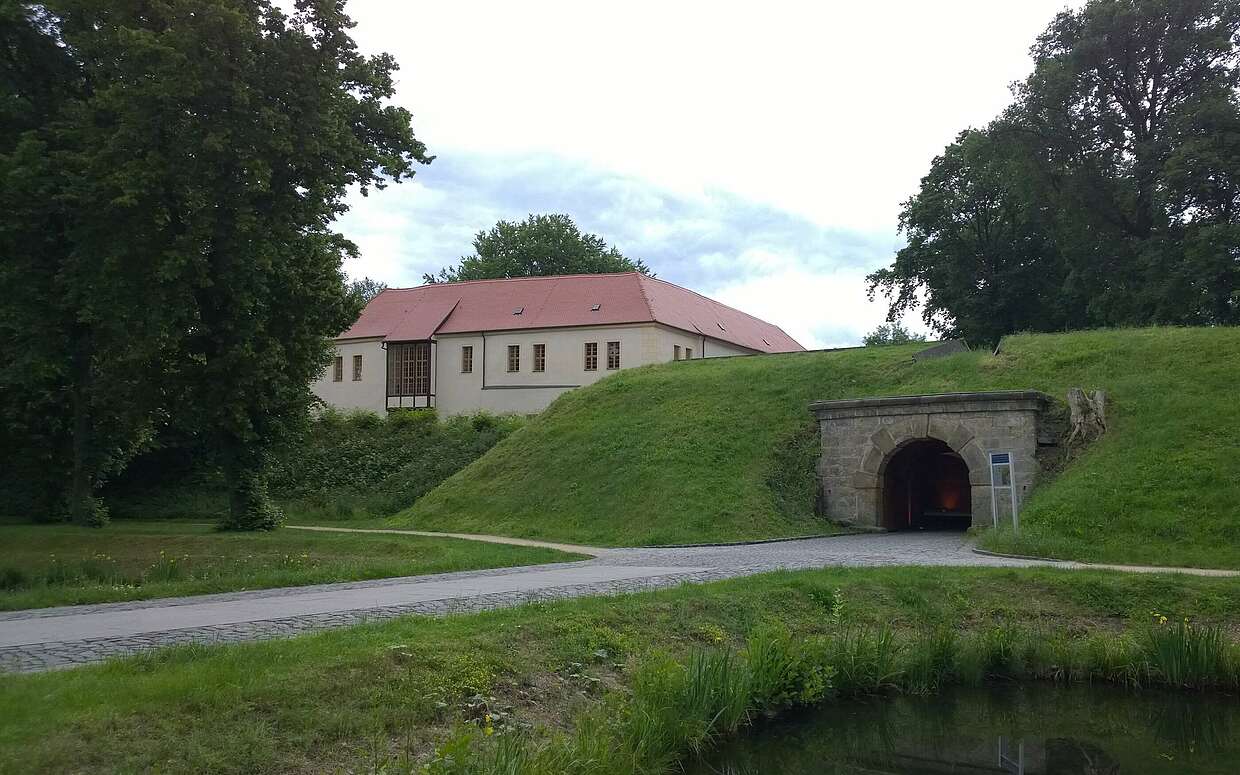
point(467, 359)
point(338, 369)
point(514, 358)
point(540, 357)
point(613, 351)
point(590, 356)
point(675, 352)
point(688, 353)
point(357, 367)
point(409, 369)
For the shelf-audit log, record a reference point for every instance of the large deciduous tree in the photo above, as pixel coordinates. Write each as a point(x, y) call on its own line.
point(168, 223)
point(539, 246)
point(976, 261)
point(1120, 165)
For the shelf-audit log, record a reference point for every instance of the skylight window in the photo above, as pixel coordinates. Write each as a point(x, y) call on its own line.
point(518, 310)
point(721, 328)
point(595, 307)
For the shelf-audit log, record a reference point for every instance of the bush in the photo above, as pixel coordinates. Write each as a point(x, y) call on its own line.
point(346, 465)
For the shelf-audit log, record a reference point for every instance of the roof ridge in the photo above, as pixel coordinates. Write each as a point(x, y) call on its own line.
point(641, 289)
point(513, 279)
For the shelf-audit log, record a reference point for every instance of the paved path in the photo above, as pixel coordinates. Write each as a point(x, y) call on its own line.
point(48, 638)
point(593, 551)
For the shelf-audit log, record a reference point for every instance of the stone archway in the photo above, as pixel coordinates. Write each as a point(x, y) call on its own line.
point(861, 438)
point(925, 486)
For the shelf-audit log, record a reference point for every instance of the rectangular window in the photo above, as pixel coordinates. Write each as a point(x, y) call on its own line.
point(338, 369)
point(540, 357)
point(467, 359)
point(514, 357)
point(613, 355)
point(675, 352)
point(591, 356)
point(688, 353)
point(357, 368)
point(409, 369)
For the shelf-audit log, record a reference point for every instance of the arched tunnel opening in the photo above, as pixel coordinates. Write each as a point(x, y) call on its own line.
point(926, 487)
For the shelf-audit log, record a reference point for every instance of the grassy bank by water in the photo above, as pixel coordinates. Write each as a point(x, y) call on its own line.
point(675, 711)
point(49, 565)
point(719, 450)
point(385, 696)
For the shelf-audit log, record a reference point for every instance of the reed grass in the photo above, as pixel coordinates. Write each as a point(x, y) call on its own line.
point(675, 712)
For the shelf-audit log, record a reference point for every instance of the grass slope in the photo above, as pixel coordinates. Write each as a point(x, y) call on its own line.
point(719, 450)
point(358, 699)
point(49, 565)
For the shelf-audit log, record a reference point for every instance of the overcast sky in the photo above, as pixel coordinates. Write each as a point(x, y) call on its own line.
point(757, 153)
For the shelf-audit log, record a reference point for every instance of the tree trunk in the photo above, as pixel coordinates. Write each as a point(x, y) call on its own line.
point(249, 505)
point(1088, 415)
point(81, 505)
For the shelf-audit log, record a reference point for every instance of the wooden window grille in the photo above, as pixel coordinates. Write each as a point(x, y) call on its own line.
point(514, 357)
point(338, 369)
point(357, 368)
point(591, 356)
point(409, 369)
point(540, 357)
point(613, 355)
point(467, 359)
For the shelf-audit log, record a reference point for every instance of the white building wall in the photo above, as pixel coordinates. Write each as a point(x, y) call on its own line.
point(369, 392)
point(524, 391)
point(702, 346)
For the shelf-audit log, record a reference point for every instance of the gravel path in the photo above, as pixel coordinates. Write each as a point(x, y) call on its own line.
point(48, 638)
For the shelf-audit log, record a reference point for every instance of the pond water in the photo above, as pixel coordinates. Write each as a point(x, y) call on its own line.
point(1012, 729)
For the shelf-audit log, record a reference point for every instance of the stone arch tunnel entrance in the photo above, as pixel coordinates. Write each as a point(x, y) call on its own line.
point(913, 462)
point(926, 487)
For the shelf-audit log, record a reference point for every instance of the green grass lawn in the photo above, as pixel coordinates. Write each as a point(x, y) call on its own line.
point(720, 450)
point(360, 699)
point(49, 565)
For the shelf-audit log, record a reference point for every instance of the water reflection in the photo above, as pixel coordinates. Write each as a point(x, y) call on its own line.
point(1030, 730)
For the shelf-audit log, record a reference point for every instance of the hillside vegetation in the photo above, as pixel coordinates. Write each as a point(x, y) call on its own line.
point(347, 465)
point(724, 450)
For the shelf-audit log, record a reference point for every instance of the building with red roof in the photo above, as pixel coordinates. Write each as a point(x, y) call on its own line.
point(514, 345)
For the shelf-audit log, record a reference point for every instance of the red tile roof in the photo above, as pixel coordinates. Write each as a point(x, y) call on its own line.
point(403, 314)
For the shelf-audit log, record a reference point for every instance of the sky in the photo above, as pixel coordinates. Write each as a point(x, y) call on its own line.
point(755, 152)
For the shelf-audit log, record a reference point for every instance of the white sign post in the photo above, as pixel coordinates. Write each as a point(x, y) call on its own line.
point(1003, 479)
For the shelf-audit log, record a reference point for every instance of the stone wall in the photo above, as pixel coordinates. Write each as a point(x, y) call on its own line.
point(859, 437)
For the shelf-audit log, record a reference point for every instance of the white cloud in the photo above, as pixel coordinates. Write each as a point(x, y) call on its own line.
point(818, 309)
point(659, 124)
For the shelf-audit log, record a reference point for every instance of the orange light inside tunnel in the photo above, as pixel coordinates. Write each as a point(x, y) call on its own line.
point(950, 496)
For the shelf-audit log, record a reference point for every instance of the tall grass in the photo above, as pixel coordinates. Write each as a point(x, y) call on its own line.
point(675, 712)
point(1188, 656)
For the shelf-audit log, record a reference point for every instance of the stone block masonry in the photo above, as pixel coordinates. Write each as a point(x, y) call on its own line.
point(860, 437)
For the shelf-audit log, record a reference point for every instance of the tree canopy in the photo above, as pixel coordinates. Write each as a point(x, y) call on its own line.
point(1107, 194)
point(891, 333)
point(539, 246)
point(170, 173)
point(364, 289)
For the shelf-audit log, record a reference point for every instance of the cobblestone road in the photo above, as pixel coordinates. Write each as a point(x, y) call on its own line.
point(63, 637)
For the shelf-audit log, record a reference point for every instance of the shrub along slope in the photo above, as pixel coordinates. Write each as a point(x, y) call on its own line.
point(346, 466)
point(719, 450)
